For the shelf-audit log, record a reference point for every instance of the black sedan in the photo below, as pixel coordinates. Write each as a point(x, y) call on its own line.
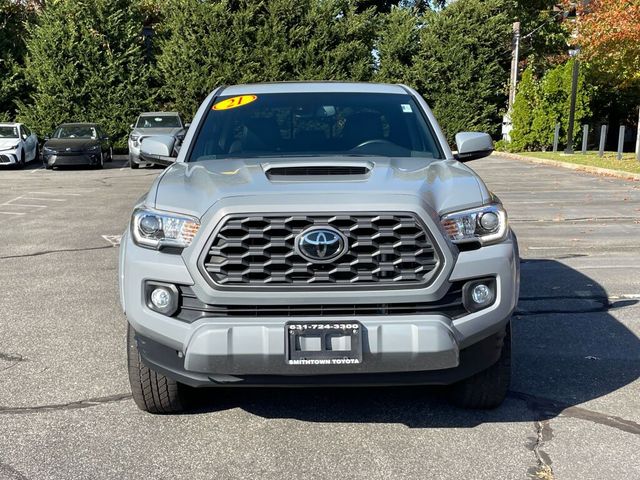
point(77, 144)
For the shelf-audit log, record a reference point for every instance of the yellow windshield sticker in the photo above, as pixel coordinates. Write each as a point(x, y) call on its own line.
point(235, 102)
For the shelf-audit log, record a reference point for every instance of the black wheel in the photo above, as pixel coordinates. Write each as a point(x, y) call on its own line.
point(22, 161)
point(152, 392)
point(101, 161)
point(133, 164)
point(36, 157)
point(486, 389)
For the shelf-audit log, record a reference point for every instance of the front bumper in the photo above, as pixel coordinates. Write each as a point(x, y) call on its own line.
point(429, 348)
point(8, 157)
point(134, 154)
point(57, 160)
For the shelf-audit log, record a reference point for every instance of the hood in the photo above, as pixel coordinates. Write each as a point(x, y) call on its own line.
point(148, 132)
point(192, 188)
point(72, 143)
point(8, 142)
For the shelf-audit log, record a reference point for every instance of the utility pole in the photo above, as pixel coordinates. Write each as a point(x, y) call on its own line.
point(574, 94)
point(507, 124)
point(513, 83)
point(638, 139)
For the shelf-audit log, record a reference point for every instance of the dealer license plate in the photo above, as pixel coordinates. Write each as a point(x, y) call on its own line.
point(323, 343)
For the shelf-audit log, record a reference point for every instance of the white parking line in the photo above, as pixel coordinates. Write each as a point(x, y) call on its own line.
point(34, 171)
point(55, 193)
point(12, 213)
point(45, 199)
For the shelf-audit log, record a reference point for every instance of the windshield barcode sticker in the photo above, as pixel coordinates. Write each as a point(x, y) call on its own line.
point(406, 108)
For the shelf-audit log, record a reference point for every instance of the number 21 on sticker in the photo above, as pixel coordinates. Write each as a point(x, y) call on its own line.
point(235, 102)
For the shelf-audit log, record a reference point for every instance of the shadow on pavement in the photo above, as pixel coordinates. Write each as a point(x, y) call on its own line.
point(568, 349)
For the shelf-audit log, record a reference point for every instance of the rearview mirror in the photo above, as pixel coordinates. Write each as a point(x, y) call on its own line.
point(473, 145)
point(158, 149)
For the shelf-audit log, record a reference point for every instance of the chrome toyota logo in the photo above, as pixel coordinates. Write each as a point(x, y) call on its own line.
point(321, 244)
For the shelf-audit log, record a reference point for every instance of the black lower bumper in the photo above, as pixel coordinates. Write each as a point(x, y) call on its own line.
point(473, 359)
point(72, 160)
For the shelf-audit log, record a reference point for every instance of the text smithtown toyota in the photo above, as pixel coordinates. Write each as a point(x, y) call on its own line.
point(317, 233)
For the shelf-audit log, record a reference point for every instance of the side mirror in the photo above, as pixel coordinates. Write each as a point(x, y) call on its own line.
point(158, 149)
point(187, 125)
point(131, 126)
point(473, 145)
point(47, 137)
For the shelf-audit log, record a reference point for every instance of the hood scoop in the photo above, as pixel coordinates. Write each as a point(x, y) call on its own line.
point(282, 171)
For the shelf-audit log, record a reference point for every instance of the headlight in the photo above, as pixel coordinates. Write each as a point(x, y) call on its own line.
point(486, 225)
point(94, 148)
point(154, 229)
point(48, 150)
point(10, 148)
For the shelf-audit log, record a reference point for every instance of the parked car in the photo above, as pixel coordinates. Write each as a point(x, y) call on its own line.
point(152, 124)
point(77, 144)
point(18, 144)
point(318, 234)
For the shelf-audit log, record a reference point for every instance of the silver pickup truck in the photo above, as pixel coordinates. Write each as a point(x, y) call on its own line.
point(318, 233)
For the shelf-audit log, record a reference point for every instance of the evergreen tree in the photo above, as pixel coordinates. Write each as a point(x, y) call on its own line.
point(14, 17)
point(397, 46)
point(462, 65)
point(204, 44)
point(85, 62)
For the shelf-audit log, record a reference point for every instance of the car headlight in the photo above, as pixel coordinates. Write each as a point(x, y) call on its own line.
point(48, 150)
point(154, 229)
point(486, 225)
point(13, 147)
point(93, 149)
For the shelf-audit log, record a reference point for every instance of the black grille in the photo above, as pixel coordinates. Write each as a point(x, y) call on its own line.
point(390, 249)
point(317, 170)
point(192, 309)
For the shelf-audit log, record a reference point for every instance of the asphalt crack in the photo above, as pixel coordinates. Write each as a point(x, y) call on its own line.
point(62, 250)
point(543, 469)
point(547, 408)
point(78, 404)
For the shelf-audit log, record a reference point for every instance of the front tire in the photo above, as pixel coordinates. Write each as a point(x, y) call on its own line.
point(152, 392)
point(133, 164)
point(22, 161)
point(486, 389)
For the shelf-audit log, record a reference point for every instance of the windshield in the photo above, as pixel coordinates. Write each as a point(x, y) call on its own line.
point(159, 121)
point(75, 131)
point(314, 124)
point(8, 132)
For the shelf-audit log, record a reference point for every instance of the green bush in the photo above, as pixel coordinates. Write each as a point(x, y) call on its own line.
point(85, 63)
point(541, 104)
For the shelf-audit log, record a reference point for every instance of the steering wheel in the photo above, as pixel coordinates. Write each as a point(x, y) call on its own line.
point(377, 141)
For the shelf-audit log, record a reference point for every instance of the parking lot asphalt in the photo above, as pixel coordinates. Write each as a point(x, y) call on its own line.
point(573, 410)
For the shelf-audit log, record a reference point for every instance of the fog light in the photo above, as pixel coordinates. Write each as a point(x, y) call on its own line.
point(489, 221)
point(479, 294)
point(162, 297)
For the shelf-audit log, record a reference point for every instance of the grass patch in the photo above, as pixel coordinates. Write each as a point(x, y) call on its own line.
point(609, 160)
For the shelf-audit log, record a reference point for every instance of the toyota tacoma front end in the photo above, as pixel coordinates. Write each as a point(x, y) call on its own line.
point(318, 234)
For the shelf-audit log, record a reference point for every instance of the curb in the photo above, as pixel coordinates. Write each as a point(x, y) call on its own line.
point(607, 172)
